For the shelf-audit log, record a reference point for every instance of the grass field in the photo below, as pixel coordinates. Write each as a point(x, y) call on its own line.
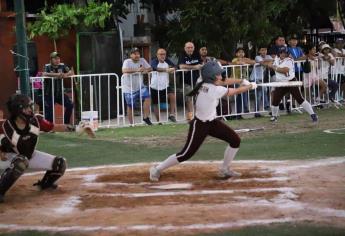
point(293, 137)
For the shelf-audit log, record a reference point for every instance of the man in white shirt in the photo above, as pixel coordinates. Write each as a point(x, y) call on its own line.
point(285, 71)
point(133, 87)
point(160, 87)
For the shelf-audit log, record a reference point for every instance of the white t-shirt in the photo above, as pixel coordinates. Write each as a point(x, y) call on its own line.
point(286, 62)
point(131, 82)
point(160, 80)
point(325, 65)
point(207, 101)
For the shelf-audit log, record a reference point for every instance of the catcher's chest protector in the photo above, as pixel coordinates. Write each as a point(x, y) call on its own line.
point(21, 141)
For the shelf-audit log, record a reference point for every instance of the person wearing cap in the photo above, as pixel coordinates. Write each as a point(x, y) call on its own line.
point(208, 92)
point(59, 71)
point(133, 87)
point(284, 69)
point(327, 60)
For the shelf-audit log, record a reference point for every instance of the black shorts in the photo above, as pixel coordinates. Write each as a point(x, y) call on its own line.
point(161, 94)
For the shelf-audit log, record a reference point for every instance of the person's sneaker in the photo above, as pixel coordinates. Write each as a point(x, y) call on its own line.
point(40, 186)
point(2, 198)
point(273, 118)
point(172, 118)
point(154, 174)
point(314, 118)
point(227, 173)
point(189, 116)
point(147, 121)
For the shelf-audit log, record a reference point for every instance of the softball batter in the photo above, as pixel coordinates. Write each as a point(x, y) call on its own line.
point(208, 92)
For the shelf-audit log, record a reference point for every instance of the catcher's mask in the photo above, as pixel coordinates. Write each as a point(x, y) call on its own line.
point(17, 103)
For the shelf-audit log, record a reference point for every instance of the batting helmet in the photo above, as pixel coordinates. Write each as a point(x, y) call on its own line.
point(210, 70)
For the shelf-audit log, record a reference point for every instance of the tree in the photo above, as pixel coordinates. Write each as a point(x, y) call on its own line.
point(60, 19)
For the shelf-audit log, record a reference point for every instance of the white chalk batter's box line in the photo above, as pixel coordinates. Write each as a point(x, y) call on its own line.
point(314, 163)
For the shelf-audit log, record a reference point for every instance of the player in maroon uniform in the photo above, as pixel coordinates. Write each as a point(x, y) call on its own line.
point(18, 140)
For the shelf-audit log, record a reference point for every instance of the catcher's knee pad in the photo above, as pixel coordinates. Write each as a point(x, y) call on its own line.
point(59, 165)
point(18, 165)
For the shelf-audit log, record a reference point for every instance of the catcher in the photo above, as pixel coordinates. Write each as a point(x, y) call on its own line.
point(18, 140)
point(208, 92)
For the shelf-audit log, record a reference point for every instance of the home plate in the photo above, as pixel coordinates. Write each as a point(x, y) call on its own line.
point(172, 186)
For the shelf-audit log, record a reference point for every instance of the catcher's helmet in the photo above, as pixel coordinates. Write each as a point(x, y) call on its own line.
point(210, 70)
point(16, 104)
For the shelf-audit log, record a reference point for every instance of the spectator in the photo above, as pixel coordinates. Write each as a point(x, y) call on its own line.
point(204, 55)
point(297, 54)
point(59, 71)
point(328, 60)
point(311, 78)
point(241, 72)
point(258, 75)
point(339, 53)
point(160, 84)
point(279, 41)
point(133, 87)
point(189, 60)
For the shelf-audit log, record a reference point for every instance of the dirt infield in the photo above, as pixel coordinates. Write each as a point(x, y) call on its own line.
point(116, 200)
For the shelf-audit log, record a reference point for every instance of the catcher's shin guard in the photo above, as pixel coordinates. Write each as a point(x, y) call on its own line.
point(18, 165)
point(51, 176)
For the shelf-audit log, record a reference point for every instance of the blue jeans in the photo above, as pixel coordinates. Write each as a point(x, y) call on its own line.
point(261, 98)
point(49, 106)
point(242, 99)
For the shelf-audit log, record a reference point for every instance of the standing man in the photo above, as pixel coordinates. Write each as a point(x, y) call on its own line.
point(284, 69)
point(133, 87)
point(279, 41)
point(189, 60)
point(18, 139)
point(162, 67)
point(53, 89)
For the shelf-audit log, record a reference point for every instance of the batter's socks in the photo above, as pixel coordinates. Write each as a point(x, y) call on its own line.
point(169, 162)
point(229, 156)
point(307, 107)
point(275, 110)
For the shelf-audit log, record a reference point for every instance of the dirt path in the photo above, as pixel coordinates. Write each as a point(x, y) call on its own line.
point(189, 198)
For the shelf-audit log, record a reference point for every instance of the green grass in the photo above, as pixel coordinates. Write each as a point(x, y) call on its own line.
point(288, 229)
point(114, 146)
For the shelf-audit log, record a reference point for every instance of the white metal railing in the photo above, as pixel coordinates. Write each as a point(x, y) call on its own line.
point(102, 96)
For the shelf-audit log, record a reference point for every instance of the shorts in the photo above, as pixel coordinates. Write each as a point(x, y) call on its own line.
point(161, 94)
point(132, 98)
point(187, 89)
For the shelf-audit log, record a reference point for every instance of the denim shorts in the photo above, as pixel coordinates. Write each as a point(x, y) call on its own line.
point(132, 98)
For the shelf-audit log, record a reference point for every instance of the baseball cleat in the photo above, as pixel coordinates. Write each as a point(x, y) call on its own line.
point(154, 174)
point(273, 118)
point(314, 118)
point(227, 173)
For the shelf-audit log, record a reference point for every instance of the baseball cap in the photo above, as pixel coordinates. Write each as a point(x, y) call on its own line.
point(325, 46)
point(133, 50)
point(282, 49)
point(54, 54)
point(210, 70)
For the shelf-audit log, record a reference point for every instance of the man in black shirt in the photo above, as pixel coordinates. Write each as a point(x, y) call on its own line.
point(58, 71)
point(189, 60)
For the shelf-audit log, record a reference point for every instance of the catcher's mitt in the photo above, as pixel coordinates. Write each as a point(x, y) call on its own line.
point(85, 127)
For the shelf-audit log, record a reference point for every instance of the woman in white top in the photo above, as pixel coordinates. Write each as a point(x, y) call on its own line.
point(208, 92)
